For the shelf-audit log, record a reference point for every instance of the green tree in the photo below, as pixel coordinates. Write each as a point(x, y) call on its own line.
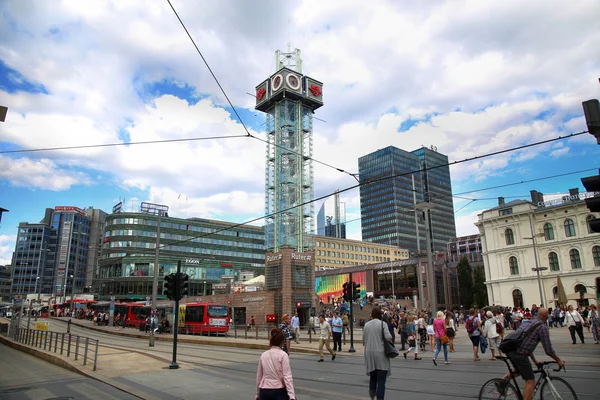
point(465, 283)
point(479, 288)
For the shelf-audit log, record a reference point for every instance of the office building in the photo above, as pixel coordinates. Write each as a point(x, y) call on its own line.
point(331, 219)
point(208, 250)
point(387, 205)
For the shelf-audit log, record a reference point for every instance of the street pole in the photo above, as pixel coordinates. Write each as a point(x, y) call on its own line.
point(351, 349)
point(31, 303)
point(174, 364)
point(430, 269)
point(72, 293)
point(419, 275)
point(155, 280)
point(537, 268)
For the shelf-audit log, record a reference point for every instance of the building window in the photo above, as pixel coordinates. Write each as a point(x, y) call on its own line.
point(514, 266)
point(596, 255)
point(506, 211)
point(569, 228)
point(548, 231)
point(587, 222)
point(555, 292)
point(509, 236)
point(517, 298)
point(553, 261)
point(575, 259)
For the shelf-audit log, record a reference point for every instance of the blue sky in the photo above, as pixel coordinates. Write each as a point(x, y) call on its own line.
point(403, 74)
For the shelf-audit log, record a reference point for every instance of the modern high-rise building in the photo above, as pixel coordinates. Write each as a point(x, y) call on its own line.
point(51, 257)
point(399, 180)
point(289, 100)
point(331, 219)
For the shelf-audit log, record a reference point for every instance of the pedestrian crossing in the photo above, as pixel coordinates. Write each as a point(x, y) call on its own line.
point(78, 390)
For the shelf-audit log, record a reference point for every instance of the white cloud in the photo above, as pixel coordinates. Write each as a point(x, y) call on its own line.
point(7, 246)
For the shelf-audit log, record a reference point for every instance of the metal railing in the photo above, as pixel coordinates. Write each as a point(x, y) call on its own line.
point(81, 347)
point(263, 332)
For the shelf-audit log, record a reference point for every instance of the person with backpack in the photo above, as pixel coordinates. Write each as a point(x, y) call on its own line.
point(531, 333)
point(473, 326)
point(490, 331)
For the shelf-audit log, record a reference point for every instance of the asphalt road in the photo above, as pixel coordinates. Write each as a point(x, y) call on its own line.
point(25, 377)
point(214, 372)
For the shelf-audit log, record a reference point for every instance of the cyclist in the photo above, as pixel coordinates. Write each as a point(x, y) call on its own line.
point(539, 333)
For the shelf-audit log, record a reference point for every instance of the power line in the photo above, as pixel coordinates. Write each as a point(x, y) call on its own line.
point(372, 181)
point(91, 146)
point(235, 110)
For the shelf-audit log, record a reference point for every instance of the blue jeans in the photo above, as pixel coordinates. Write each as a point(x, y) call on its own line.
point(438, 348)
point(377, 383)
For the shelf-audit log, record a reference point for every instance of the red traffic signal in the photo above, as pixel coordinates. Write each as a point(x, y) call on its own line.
point(298, 304)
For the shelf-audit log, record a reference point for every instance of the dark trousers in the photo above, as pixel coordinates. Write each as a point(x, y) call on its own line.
point(337, 341)
point(579, 331)
point(273, 394)
point(377, 383)
point(403, 339)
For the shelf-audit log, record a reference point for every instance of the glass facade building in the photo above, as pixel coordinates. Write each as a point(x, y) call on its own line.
point(387, 206)
point(207, 249)
point(331, 219)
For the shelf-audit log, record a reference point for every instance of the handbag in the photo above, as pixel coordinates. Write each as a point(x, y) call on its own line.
point(578, 324)
point(444, 339)
point(388, 348)
point(483, 344)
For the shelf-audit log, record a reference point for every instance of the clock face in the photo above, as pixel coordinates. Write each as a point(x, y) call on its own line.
point(293, 81)
point(277, 82)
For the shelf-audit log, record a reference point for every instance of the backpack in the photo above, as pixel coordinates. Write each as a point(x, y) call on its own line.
point(470, 326)
point(499, 327)
point(514, 340)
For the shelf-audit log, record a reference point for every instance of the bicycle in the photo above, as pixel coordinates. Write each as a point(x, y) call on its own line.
point(552, 387)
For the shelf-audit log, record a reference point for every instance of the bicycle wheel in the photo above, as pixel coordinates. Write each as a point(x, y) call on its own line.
point(556, 389)
point(489, 391)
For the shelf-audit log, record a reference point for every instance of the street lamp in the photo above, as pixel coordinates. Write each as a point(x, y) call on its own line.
point(537, 268)
point(72, 292)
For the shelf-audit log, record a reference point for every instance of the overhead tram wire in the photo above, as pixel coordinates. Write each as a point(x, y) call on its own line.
point(377, 180)
point(91, 146)
point(248, 134)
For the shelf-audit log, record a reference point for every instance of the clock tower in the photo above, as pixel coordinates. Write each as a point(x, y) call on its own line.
point(289, 100)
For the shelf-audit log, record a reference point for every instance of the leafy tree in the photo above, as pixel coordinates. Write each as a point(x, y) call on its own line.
point(479, 289)
point(465, 282)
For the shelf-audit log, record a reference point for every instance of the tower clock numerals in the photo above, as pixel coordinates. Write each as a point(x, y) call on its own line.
point(293, 81)
point(277, 82)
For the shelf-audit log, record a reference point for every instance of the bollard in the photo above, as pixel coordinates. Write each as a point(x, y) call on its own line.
point(37, 338)
point(344, 336)
point(96, 355)
point(234, 331)
point(62, 343)
point(257, 332)
point(76, 347)
point(87, 343)
point(309, 335)
point(55, 342)
point(246, 333)
point(69, 346)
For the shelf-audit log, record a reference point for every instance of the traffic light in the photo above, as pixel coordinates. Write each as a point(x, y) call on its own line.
point(346, 291)
point(592, 185)
point(169, 286)
point(591, 111)
point(182, 286)
point(298, 304)
point(355, 291)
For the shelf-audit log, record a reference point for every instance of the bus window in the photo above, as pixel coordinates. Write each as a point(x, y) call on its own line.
point(194, 314)
point(218, 311)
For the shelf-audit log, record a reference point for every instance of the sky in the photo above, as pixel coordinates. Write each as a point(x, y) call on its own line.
point(468, 77)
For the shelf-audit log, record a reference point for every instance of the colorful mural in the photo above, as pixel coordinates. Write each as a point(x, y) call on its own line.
point(330, 287)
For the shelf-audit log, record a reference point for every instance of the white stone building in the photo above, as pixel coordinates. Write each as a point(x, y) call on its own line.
point(562, 243)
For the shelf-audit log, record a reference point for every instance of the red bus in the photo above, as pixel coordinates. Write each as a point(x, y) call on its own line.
point(209, 318)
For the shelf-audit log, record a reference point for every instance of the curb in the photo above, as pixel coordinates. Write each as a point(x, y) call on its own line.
point(73, 367)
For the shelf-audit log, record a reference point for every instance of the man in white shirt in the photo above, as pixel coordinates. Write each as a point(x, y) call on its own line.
point(325, 338)
point(296, 327)
point(574, 321)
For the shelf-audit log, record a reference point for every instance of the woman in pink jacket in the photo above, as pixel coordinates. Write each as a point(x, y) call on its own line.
point(274, 377)
point(440, 331)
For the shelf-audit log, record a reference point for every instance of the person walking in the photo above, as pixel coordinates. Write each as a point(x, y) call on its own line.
point(286, 329)
point(325, 338)
point(377, 363)
point(450, 330)
point(574, 321)
point(473, 326)
point(441, 340)
point(412, 337)
point(422, 331)
point(336, 328)
point(403, 330)
point(594, 322)
point(490, 331)
point(296, 328)
point(274, 376)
